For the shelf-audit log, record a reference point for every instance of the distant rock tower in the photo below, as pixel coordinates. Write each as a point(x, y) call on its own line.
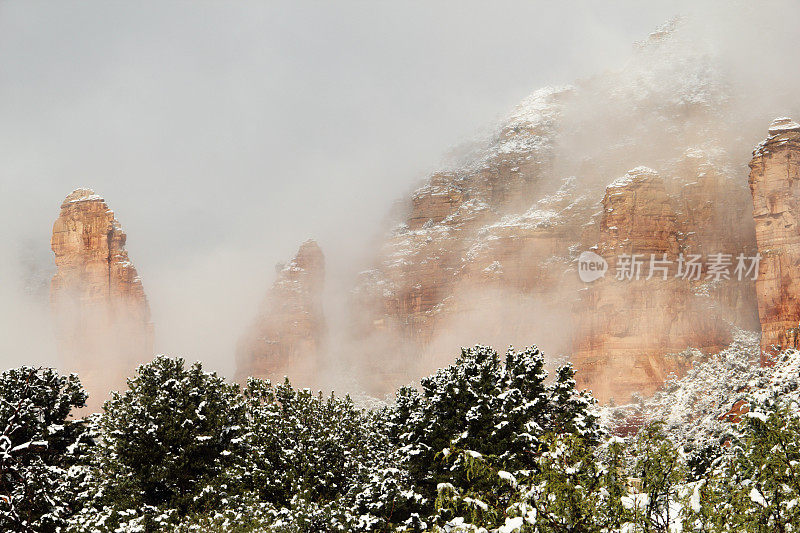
point(286, 337)
point(101, 312)
point(775, 184)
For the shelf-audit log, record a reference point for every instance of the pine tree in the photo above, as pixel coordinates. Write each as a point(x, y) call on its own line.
point(313, 457)
point(477, 418)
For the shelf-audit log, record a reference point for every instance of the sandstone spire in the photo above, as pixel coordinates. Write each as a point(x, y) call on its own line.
point(286, 337)
point(100, 308)
point(775, 184)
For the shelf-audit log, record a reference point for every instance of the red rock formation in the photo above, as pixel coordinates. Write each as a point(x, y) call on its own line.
point(286, 337)
point(102, 315)
point(470, 264)
point(486, 250)
point(710, 211)
point(465, 231)
point(468, 272)
point(775, 185)
point(737, 411)
point(631, 329)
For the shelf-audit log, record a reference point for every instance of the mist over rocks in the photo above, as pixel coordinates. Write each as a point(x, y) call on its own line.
point(616, 224)
point(100, 310)
point(487, 249)
point(629, 331)
point(287, 337)
point(646, 159)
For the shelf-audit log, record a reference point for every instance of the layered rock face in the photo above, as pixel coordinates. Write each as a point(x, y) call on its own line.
point(634, 326)
point(289, 331)
point(775, 185)
point(102, 316)
point(470, 235)
point(486, 250)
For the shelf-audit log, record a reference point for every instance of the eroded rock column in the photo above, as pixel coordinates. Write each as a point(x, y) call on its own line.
point(775, 184)
point(101, 313)
point(287, 335)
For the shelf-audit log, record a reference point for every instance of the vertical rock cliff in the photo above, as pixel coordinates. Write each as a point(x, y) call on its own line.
point(101, 312)
point(634, 324)
point(288, 333)
point(488, 248)
point(775, 185)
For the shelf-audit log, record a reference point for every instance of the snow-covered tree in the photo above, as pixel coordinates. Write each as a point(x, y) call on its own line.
point(314, 459)
point(304, 444)
point(39, 443)
point(486, 444)
point(764, 474)
point(166, 446)
point(481, 416)
point(578, 486)
point(659, 470)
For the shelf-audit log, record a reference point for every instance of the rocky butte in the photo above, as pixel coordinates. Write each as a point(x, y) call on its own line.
point(646, 161)
point(487, 250)
point(775, 184)
point(287, 336)
point(101, 313)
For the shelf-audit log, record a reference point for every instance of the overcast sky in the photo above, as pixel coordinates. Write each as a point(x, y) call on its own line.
point(225, 133)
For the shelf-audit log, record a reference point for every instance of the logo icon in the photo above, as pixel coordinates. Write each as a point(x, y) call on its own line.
point(591, 267)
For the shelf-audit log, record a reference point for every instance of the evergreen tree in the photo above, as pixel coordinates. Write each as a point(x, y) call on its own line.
point(38, 446)
point(479, 417)
point(765, 470)
point(167, 444)
point(484, 444)
point(659, 470)
point(309, 453)
point(578, 487)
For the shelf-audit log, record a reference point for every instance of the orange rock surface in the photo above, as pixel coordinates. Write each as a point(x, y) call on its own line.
point(633, 332)
point(486, 249)
point(469, 266)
